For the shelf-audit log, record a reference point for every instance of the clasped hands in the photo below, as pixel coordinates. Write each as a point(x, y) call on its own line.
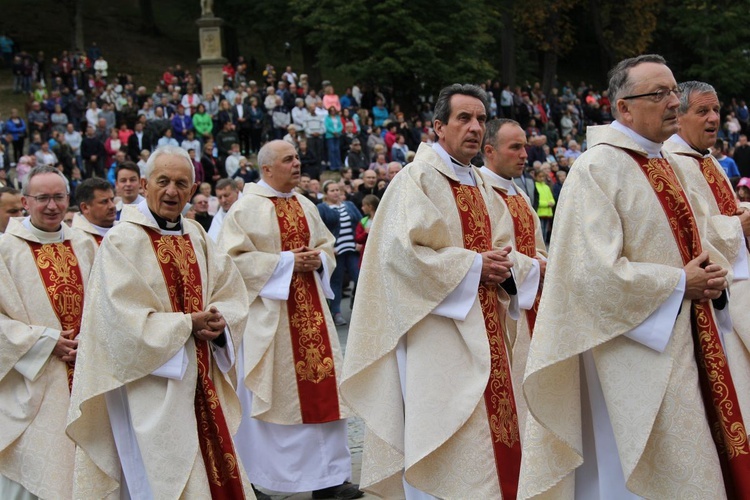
point(704, 280)
point(67, 347)
point(306, 259)
point(208, 325)
point(496, 265)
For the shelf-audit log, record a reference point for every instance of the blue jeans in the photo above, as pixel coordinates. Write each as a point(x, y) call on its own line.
point(334, 153)
point(348, 261)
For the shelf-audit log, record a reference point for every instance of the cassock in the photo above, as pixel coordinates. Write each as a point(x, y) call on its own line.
point(529, 245)
point(44, 277)
point(293, 435)
point(427, 365)
point(96, 233)
point(612, 382)
point(153, 408)
point(709, 181)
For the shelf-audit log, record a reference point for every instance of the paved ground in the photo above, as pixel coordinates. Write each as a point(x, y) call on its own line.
point(356, 428)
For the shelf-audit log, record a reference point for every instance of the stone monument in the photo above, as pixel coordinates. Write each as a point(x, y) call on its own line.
point(212, 47)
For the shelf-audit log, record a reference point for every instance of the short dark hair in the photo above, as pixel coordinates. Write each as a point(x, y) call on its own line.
point(85, 190)
point(619, 83)
point(223, 183)
point(9, 190)
point(371, 200)
point(127, 165)
point(493, 127)
point(442, 110)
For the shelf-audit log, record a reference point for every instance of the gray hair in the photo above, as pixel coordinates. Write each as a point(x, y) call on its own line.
point(267, 154)
point(167, 150)
point(493, 127)
point(620, 84)
point(224, 183)
point(43, 169)
point(690, 88)
point(442, 110)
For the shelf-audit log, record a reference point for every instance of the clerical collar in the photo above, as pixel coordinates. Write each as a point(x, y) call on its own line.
point(44, 236)
point(504, 183)
point(653, 149)
point(679, 140)
point(278, 194)
point(166, 225)
point(464, 173)
point(99, 229)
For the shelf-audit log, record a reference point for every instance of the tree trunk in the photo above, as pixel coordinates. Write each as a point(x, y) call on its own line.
point(310, 63)
point(148, 24)
point(549, 70)
point(606, 54)
point(75, 9)
point(508, 47)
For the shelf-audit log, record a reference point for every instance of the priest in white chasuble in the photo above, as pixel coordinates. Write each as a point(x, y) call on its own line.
point(504, 152)
point(153, 409)
point(626, 377)
point(293, 436)
point(44, 271)
point(427, 362)
point(729, 224)
point(96, 200)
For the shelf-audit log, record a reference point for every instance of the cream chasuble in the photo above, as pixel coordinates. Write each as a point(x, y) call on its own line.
point(95, 232)
point(726, 236)
point(612, 290)
point(35, 453)
point(288, 441)
point(133, 412)
point(414, 263)
point(526, 267)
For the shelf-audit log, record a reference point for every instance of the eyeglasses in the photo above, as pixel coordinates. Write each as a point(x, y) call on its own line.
point(45, 198)
point(657, 96)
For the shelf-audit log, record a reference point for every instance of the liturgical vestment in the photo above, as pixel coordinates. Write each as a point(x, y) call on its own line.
point(94, 232)
point(135, 413)
point(43, 278)
point(419, 358)
point(612, 382)
point(293, 432)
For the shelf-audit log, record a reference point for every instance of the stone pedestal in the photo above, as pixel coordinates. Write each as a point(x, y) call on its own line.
point(212, 50)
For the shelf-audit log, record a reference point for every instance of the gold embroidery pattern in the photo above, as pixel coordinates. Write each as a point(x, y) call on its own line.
point(313, 357)
point(523, 224)
point(58, 268)
point(721, 190)
point(177, 253)
point(476, 235)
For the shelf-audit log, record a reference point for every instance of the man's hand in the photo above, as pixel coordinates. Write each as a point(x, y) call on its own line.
point(744, 215)
point(496, 265)
point(306, 259)
point(704, 280)
point(208, 325)
point(66, 348)
point(542, 266)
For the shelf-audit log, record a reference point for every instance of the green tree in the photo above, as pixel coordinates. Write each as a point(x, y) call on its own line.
point(415, 46)
point(713, 41)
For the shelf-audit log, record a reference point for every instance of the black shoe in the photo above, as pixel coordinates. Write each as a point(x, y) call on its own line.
point(260, 495)
point(344, 491)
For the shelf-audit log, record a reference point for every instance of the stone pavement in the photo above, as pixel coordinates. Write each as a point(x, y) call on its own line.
point(356, 428)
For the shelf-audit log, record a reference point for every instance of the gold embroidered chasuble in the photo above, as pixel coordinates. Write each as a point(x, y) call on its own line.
point(34, 450)
point(723, 235)
point(415, 257)
point(129, 330)
point(82, 224)
point(252, 238)
point(518, 330)
point(614, 261)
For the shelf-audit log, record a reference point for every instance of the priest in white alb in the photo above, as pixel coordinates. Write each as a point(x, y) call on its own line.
point(96, 201)
point(293, 435)
point(428, 364)
point(44, 271)
point(153, 409)
point(627, 386)
point(505, 155)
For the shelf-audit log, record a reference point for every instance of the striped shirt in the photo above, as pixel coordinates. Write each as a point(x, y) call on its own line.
point(345, 241)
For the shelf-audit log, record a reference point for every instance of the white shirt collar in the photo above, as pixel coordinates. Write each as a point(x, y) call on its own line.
point(504, 183)
point(652, 148)
point(44, 236)
point(143, 208)
point(277, 193)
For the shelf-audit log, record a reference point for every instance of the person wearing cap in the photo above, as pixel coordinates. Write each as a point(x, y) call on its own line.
point(627, 382)
point(743, 190)
point(426, 366)
point(356, 159)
